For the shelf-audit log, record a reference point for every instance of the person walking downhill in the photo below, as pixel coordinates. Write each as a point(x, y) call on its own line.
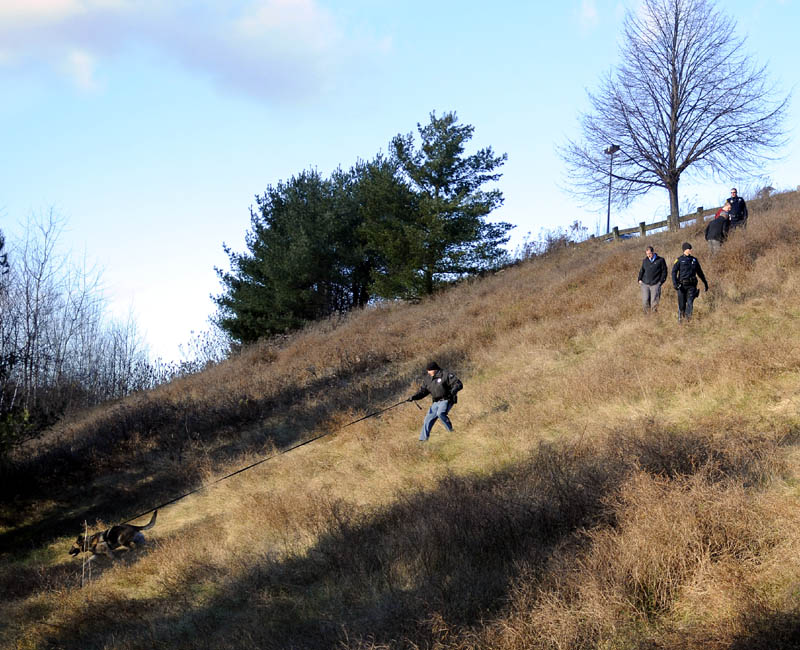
point(651, 276)
point(442, 386)
point(685, 272)
point(717, 229)
point(738, 210)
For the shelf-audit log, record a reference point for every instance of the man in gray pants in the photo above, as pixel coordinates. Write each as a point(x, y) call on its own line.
point(651, 276)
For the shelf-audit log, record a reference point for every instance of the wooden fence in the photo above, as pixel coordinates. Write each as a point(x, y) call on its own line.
point(643, 228)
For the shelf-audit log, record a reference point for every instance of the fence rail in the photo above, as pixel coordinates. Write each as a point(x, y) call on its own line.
point(643, 228)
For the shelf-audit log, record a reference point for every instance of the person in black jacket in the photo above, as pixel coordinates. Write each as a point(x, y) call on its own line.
point(738, 209)
point(651, 276)
point(717, 229)
point(442, 386)
point(685, 272)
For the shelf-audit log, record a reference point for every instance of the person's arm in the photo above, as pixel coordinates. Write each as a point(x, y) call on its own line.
point(675, 274)
point(701, 275)
point(454, 384)
point(419, 394)
point(641, 273)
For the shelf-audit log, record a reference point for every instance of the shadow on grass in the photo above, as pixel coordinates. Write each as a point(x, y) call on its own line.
point(53, 487)
point(427, 569)
point(433, 565)
point(449, 555)
point(770, 631)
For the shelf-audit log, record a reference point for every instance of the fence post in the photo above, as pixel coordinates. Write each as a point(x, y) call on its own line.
point(642, 229)
point(615, 231)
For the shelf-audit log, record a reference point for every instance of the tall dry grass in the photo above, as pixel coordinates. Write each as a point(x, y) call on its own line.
point(614, 480)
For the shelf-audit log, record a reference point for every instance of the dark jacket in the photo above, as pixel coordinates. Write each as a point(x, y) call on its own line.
point(653, 271)
point(685, 272)
point(718, 228)
point(738, 211)
point(442, 385)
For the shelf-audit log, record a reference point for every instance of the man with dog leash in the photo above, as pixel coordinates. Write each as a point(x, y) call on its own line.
point(442, 386)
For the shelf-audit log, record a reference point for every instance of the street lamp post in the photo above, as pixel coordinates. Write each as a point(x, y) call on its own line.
point(610, 150)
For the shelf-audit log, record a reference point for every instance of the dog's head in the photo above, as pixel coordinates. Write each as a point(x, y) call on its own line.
point(82, 544)
point(78, 545)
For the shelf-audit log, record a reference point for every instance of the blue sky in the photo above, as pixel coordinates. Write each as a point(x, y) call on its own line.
point(150, 126)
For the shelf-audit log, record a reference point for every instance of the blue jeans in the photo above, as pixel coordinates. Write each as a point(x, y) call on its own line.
point(437, 410)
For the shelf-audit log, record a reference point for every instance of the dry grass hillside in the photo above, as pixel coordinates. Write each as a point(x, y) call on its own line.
point(613, 480)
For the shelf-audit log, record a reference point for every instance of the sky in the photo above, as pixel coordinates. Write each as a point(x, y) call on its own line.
point(150, 126)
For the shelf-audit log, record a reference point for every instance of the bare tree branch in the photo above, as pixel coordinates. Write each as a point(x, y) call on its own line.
point(685, 98)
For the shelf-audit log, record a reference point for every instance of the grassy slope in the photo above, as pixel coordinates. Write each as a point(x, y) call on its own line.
point(614, 480)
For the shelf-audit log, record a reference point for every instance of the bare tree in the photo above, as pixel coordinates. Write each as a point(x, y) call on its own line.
point(58, 349)
point(4, 267)
point(685, 96)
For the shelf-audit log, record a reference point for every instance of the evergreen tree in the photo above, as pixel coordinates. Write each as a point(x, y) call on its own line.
point(397, 226)
point(304, 259)
point(391, 235)
point(446, 235)
point(354, 262)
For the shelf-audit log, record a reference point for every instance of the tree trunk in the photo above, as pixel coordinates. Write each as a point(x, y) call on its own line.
point(428, 275)
point(673, 221)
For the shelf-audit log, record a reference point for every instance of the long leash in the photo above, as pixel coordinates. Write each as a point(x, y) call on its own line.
point(264, 460)
point(374, 414)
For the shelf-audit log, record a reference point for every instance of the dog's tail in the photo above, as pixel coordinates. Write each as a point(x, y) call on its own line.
point(151, 524)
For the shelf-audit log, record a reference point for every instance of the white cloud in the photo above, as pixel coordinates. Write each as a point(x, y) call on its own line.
point(302, 19)
point(80, 67)
point(28, 11)
point(23, 13)
point(588, 14)
point(268, 48)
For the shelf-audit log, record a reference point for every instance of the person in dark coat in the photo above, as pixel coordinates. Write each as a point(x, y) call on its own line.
point(443, 387)
point(685, 273)
point(717, 229)
point(738, 209)
point(652, 275)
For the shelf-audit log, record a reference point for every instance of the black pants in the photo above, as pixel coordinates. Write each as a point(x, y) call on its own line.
point(686, 296)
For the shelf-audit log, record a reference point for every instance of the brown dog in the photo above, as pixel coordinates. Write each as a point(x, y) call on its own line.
point(122, 536)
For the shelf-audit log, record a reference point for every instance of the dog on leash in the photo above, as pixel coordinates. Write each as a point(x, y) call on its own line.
point(106, 542)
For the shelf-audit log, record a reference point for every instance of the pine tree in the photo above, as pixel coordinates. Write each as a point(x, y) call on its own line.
point(305, 261)
point(395, 227)
point(446, 234)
